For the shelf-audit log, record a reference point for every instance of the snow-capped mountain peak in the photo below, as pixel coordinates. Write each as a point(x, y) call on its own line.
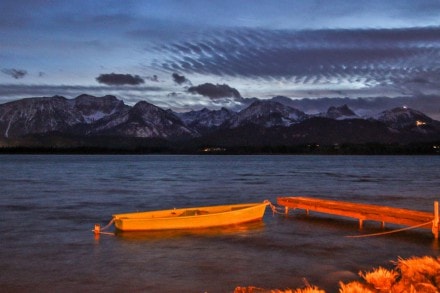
point(268, 114)
point(95, 108)
point(48, 114)
point(340, 113)
point(143, 120)
point(206, 118)
point(403, 117)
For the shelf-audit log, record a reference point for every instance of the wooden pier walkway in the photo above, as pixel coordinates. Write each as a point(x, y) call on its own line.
point(365, 212)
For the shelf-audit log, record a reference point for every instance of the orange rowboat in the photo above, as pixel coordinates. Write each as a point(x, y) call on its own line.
point(190, 218)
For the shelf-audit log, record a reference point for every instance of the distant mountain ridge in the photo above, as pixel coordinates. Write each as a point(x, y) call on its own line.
point(341, 112)
point(267, 114)
point(205, 119)
point(264, 122)
point(42, 115)
point(142, 120)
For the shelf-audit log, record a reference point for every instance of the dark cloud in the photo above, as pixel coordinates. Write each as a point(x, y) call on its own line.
point(153, 78)
point(215, 91)
point(15, 73)
point(180, 79)
point(119, 79)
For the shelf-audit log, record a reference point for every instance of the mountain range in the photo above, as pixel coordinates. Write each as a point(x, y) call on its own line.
point(108, 122)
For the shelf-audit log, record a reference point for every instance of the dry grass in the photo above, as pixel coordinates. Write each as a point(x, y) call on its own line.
point(354, 287)
point(381, 279)
point(420, 269)
point(251, 289)
point(412, 275)
point(311, 289)
point(420, 273)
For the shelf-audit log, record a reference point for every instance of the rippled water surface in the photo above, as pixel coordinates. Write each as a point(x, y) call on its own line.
point(49, 204)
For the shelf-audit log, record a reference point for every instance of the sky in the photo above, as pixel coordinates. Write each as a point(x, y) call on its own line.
point(192, 54)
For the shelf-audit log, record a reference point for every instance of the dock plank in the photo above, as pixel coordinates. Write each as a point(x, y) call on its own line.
point(360, 211)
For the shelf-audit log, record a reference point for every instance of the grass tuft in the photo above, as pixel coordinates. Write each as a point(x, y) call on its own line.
point(381, 279)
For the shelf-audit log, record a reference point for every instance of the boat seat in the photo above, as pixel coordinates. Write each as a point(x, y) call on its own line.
point(188, 213)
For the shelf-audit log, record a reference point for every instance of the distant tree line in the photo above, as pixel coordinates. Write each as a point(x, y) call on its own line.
point(306, 149)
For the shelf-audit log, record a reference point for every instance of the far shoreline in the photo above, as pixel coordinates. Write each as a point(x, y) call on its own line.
point(429, 148)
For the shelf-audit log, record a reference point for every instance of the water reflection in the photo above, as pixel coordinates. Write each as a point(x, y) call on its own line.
point(241, 230)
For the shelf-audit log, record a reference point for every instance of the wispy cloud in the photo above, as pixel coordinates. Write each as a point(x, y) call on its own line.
point(328, 49)
point(368, 57)
point(10, 92)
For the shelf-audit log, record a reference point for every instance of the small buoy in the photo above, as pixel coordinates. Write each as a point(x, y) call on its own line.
point(97, 229)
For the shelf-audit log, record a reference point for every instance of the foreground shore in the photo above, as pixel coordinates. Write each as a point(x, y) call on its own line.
point(412, 275)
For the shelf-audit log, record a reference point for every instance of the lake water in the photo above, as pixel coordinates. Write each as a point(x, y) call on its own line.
point(49, 204)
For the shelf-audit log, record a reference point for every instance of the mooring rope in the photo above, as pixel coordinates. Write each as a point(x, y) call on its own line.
point(389, 232)
point(108, 225)
point(274, 208)
point(107, 233)
point(99, 230)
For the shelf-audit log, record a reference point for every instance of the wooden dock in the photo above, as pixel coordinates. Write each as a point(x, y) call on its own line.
point(365, 212)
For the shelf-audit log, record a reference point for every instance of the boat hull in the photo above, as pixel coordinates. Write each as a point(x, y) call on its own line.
point(190, 218)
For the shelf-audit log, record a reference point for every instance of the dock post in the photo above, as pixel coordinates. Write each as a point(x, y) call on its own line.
point(436, 220)
point(361, 223)
point(286, 210)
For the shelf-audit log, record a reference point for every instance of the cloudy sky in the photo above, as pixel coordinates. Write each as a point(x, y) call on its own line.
point(192, 54)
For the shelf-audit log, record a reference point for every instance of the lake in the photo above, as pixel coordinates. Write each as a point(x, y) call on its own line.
point(50, 203)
